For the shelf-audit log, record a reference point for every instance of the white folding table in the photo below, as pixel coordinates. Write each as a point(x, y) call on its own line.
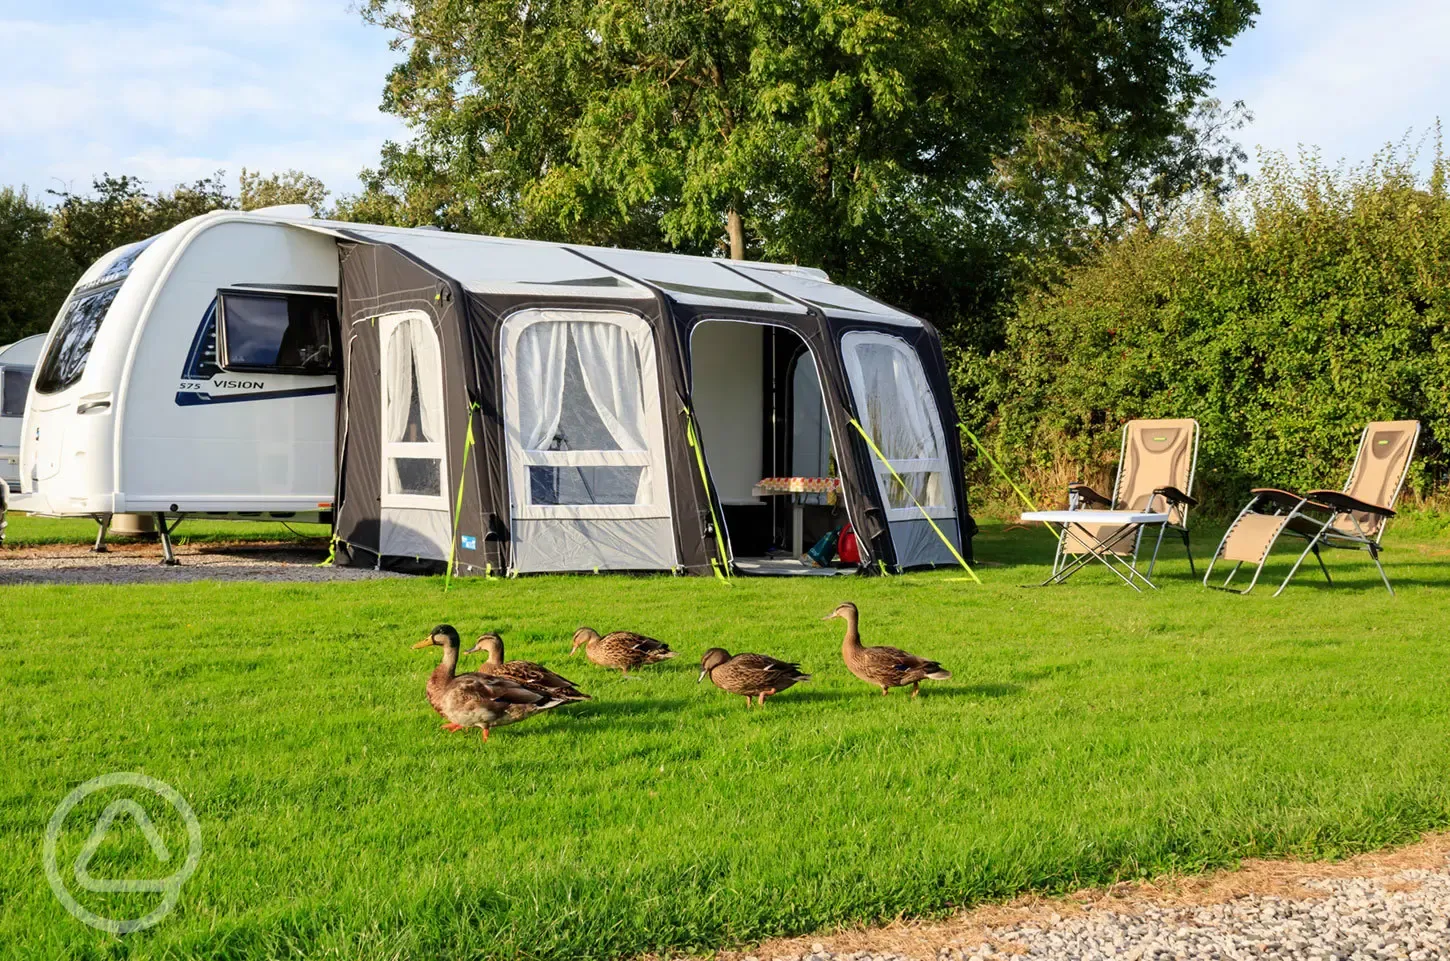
point(1118, 519)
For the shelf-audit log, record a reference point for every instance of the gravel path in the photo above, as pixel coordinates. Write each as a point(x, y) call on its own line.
point(141, 564)
point(1391, 912)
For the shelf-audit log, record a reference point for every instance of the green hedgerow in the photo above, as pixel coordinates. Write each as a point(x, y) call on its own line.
point(1283, 319)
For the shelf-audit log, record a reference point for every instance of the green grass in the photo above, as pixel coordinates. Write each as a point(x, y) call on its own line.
point(1089, 734)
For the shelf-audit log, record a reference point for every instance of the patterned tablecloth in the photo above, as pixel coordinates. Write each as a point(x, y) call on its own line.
point(768, 486)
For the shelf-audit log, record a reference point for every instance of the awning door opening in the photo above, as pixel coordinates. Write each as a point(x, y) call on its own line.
point(757, 397)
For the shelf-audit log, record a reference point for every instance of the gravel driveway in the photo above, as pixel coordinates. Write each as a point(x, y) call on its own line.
point(141, 564)
point(1386, 906)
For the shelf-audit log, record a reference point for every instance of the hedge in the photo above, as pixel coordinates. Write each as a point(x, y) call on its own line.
point(1284, 319)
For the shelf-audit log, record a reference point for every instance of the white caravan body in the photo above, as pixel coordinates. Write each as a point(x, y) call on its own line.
point(17, 363)
point(143, 420)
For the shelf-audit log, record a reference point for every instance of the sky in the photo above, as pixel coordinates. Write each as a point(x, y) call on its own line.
point(174, 90)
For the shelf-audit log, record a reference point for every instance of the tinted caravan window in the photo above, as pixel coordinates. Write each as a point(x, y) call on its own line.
point(277, 332)
point(14, 385)
point(75, 333)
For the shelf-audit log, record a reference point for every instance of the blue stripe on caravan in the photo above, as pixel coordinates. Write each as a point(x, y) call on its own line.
point(194, 398)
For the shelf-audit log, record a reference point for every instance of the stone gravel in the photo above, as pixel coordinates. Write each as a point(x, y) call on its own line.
point(1399, 916)
point(71, 567)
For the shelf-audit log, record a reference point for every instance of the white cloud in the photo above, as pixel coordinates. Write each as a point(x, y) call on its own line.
point(172, 90)
point(1343, 77)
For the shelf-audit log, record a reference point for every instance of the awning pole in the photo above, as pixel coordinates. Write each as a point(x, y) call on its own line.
point(458, 506)
point(944, 539)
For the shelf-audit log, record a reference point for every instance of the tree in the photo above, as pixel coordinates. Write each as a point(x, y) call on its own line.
point(1071, 183)
point(794, 131)
point(35, 272)
point(291, 187)
point(120, 211)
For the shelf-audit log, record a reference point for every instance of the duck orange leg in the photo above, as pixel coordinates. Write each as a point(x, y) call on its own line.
point(914, 686)
point(483, 738)
point(748, 701)
point(451, 727)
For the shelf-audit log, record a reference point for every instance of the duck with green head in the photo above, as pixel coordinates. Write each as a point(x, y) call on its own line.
point(474, 700)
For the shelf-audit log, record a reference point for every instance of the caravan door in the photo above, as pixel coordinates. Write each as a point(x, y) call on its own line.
point(588, 488)
point(415, 518)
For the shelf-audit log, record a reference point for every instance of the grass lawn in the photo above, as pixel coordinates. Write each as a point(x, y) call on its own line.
point(1090, 734)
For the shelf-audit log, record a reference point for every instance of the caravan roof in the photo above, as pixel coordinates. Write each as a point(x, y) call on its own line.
point(25, 352)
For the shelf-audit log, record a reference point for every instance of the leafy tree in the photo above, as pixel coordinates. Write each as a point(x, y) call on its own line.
point(863, 136)
point(290, 187)
point(35, 272)
point(1070, 184)
point(120, 211)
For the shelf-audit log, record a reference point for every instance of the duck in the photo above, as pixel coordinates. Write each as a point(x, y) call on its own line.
point(525, 672)
point(476, 700)
point(885, 667)
point(621, 649)
point(754, 676)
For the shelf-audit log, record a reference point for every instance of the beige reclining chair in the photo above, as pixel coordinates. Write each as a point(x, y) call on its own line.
point(1155, 473)
point(1353, 519)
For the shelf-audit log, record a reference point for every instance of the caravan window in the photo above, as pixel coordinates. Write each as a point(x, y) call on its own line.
point(898, 410)
point(70, 345)
point(75, 333)
point(275, 332)
point(14, 385)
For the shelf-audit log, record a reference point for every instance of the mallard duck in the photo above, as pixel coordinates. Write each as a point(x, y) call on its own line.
point(622, 649)
point(886, 667)
point(751, 675)
point(525, 672)
point(475, 700)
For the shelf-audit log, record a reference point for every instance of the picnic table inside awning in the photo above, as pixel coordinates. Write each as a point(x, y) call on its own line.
point(773, 486)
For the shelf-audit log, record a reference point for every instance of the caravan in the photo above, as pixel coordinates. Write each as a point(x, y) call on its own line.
point(17, 364)
point(493, 404)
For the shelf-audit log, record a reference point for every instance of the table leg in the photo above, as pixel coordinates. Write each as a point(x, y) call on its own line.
point(797, 530)
point(1105, 558)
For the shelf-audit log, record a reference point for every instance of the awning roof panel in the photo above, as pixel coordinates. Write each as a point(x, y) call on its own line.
point(699, 281)
point(832, 298)
point(491, 265)
point(499, 265)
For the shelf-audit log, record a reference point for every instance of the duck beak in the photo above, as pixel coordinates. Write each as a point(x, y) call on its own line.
point(831, 616)
point(701, 677)
point(425, 642)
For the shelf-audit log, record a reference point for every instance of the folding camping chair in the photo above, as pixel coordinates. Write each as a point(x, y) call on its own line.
point(1351, 519)
point(1155, 474)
